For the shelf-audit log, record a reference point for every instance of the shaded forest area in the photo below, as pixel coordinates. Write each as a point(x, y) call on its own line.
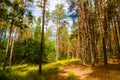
point(86, 30)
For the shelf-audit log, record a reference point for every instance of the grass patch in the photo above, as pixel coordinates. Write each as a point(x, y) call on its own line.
point(72, 76)
point(30, 72)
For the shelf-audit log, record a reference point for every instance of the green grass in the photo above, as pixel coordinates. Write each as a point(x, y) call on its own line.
point(72, 76)
point(30, 72)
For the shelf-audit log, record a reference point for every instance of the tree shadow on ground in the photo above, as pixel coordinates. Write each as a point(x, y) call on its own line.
point(109, 72)
point(8, 75)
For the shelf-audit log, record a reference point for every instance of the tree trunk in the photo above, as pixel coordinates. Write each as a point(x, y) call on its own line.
point(11, 52)
point(42, 40)
point(93, 45)
point(57, 39)
point(57, 45)
point(116, 40)
point(103, 29)
point(10, 60)
point(19, 36)
point(8, 44)
point(104, 51)
point(10, 34)
point(80, 27)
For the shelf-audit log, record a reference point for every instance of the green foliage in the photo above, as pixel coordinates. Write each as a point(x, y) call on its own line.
point(37, 31)
point(58, 13)
point(49, 55)
point(49, 50)
point(27, 52)
point(2, 50)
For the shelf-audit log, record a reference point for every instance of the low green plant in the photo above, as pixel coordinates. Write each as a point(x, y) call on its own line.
point(72, 76)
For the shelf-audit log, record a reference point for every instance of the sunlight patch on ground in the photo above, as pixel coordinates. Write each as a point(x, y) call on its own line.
point(57, 64)
point(24, 69)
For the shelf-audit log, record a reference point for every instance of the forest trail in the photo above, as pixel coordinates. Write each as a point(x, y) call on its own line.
point(86, 72)
point(79, 70)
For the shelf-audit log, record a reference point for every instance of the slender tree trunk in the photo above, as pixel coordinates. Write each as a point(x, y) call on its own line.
point(10, 34)
point(57, 39)
point(79, 34)
point(80, 27)
point(109, 38)
point(96, 29)
point(10, 60)
point(42, 40)
point(103, 28)
point(19, 36)
point(93, 45)
point(116, 40)
point(105, 41)
point(8, 44)
point(104, 51)
point(11, 52)
point(57, 45)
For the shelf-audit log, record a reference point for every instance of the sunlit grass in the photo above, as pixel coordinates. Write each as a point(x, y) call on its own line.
point(72, 76)
point(24, 69)
point(52, 70)
point(30, 72)
point(57, 64)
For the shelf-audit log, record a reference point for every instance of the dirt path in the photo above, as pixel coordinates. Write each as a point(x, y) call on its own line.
point(81, 71)
point(85, 72)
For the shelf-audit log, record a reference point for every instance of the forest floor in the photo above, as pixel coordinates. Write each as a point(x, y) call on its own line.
point(62, 70)
point(87, 72)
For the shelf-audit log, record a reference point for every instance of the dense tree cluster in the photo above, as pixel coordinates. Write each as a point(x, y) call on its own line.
point(98, 30)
